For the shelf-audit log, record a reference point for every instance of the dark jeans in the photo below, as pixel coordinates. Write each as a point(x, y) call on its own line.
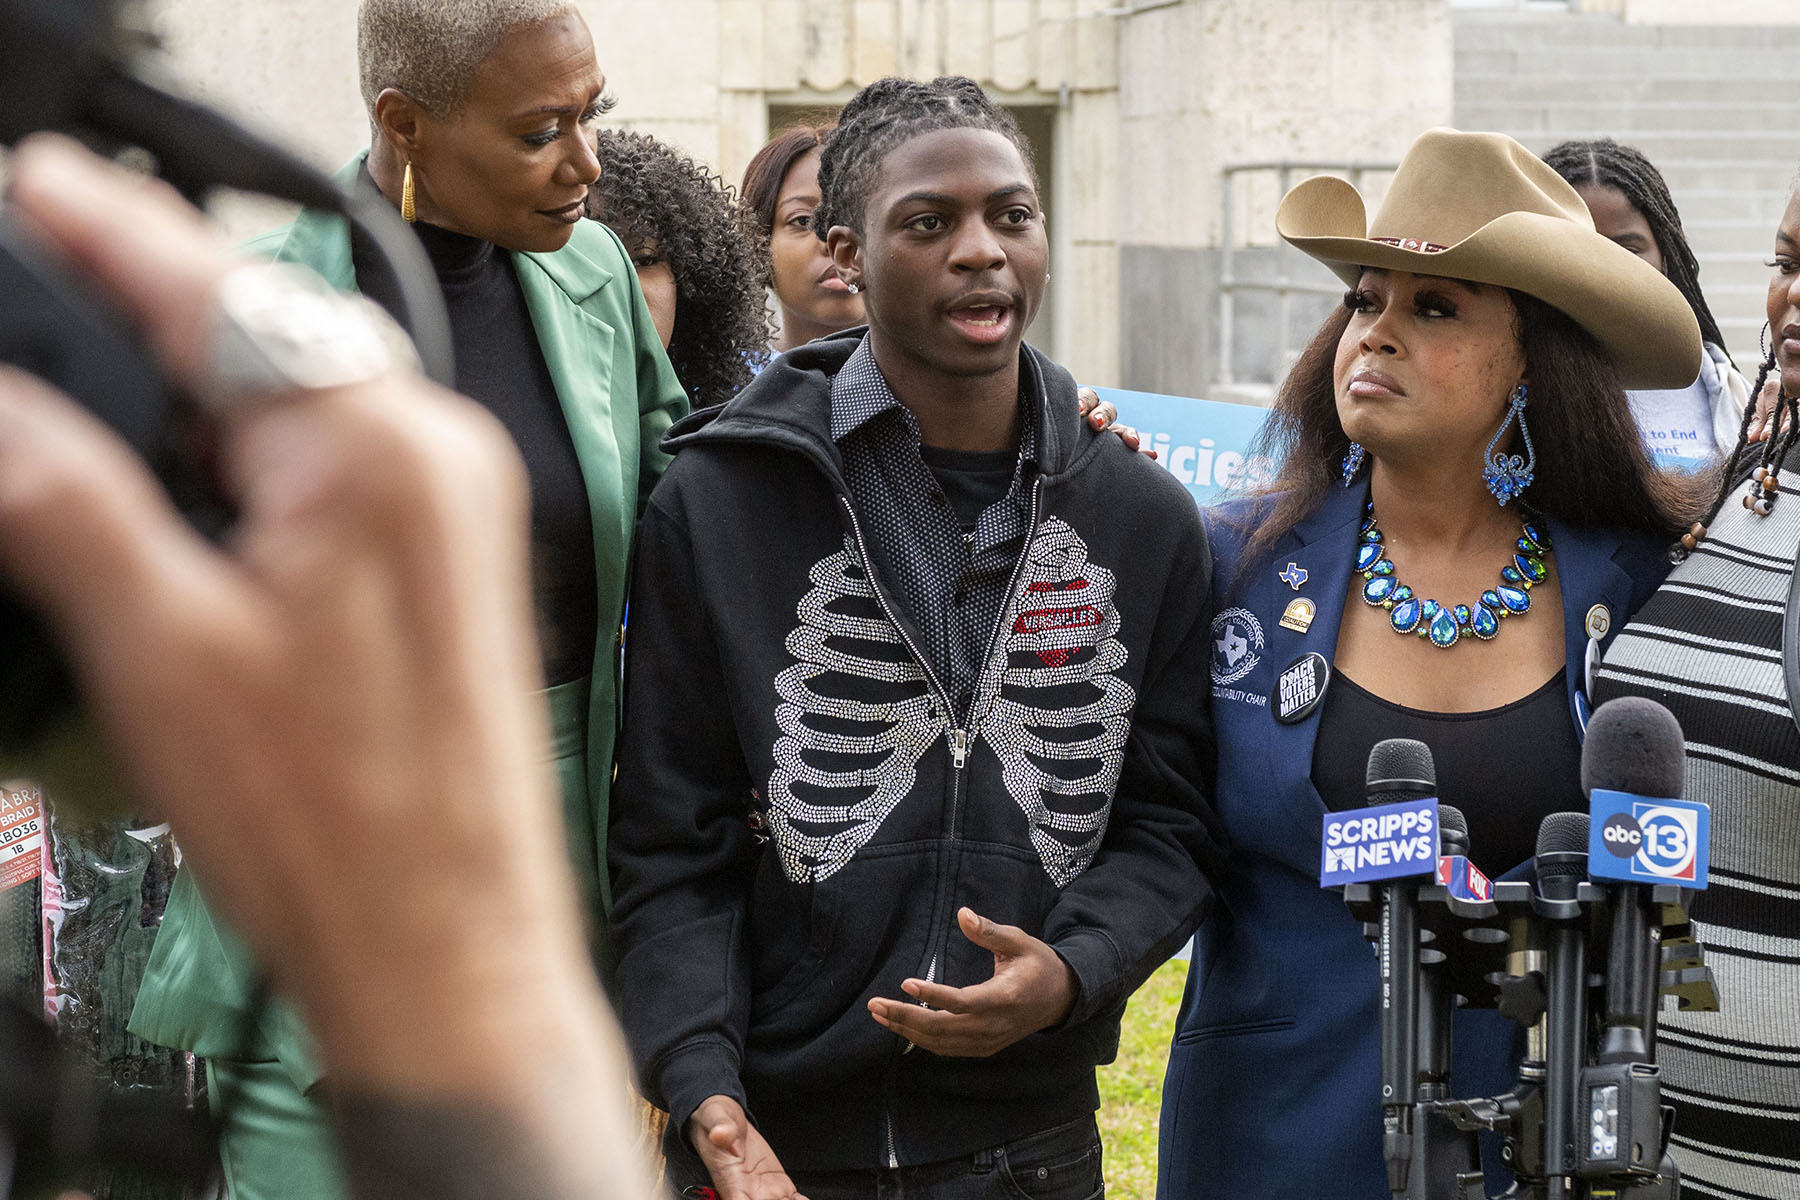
point(1057, 1164)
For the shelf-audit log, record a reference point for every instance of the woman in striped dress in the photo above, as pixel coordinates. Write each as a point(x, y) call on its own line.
point(1719, 644)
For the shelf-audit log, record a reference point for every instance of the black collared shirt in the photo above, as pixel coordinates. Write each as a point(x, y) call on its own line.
point(949, 579)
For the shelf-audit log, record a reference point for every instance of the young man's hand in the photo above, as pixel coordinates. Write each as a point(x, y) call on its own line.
point(1032, 989)
point(740, 1161)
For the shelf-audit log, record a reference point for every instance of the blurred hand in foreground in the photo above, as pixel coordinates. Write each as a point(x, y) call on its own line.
point(335, 710)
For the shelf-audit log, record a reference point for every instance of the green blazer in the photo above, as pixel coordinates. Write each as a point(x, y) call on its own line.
point(618, 395)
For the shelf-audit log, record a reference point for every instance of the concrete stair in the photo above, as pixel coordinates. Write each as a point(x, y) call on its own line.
point(1714, 107)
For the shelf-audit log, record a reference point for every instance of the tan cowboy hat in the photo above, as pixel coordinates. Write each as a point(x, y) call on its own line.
point(1483, 208)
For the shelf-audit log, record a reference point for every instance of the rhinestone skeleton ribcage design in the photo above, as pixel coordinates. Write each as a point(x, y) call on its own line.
point(855, 713)
point(1056, 713)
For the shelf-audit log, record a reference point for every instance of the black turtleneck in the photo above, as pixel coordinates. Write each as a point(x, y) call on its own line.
point(499, 365)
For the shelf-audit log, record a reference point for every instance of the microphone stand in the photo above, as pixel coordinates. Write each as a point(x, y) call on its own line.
point(1558, 903)
point(1524, 952)
point(1445, 1161)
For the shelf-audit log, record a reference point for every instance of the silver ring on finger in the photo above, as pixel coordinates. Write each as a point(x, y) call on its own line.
point(274, 329)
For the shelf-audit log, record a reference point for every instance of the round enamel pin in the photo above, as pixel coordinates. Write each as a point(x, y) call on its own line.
point(1599, 621)
point(1300, 688)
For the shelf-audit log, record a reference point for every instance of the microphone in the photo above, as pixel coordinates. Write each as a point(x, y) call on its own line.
point(1453, 832)
point(1399, 770)
point(1460, 878)
point(1634, 746)
point(1561, 859)
point(1561, 868)
point(1632, 771)
point(1435, 1007)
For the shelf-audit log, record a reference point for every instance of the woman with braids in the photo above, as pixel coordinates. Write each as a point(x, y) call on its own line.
point(1462, 507)
point(1686, 428)
point(781, 186)
point(911, 790)
point(1719, 644)
point(698, 259)
point(482, 115)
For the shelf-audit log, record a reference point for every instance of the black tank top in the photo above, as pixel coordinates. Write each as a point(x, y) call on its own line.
point(1506, 768)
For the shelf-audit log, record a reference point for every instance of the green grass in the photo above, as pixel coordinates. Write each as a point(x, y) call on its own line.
point(1131, 1088)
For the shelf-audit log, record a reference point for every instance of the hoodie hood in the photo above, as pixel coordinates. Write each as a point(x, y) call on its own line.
point(789, 405)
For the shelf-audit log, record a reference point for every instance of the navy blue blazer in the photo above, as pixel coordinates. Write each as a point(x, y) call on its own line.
point(1273, 1086)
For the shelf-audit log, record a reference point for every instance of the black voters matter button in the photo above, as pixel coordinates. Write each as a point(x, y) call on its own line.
point(1299, 688)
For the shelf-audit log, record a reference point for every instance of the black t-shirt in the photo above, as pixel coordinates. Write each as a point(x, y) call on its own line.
point(1505, 768)
point(971, 479)
point(500, 367)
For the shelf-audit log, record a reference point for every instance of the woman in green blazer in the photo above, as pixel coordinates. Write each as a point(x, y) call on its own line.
point(483, 135)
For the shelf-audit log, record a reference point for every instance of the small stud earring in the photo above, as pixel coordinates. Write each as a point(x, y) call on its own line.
point(854, 288)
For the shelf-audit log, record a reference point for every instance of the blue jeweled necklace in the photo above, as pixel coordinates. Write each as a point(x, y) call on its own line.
point(1445, 627)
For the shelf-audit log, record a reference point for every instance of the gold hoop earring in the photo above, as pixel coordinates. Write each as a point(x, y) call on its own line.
point(408, 210)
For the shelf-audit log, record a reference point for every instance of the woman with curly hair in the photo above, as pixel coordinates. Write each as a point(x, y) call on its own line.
point(698, 258)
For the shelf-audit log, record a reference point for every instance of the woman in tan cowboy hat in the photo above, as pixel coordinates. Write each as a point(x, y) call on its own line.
point(1463, 511)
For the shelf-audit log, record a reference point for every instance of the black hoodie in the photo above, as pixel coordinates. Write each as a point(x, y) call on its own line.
point(799, 812)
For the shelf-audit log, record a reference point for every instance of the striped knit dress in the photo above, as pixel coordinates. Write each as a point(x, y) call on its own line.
point(1709, 646)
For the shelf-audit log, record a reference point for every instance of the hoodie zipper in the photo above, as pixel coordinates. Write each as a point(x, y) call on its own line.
point(881, 600)
point(962, 739)
point(959, 736)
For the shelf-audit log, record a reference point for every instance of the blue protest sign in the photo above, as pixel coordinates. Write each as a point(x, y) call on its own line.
point(1203, 443)
point(1383, 841)
point(1640, 839)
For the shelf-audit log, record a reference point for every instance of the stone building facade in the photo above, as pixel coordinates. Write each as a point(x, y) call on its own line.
point(1143, 113)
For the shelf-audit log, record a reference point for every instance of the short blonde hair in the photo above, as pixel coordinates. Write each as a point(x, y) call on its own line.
point(429, 49)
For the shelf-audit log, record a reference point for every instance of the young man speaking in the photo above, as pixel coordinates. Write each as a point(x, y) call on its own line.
point(911, 790)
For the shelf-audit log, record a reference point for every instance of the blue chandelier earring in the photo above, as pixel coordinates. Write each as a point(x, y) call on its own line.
point(1508, 475)
point(1353, 461)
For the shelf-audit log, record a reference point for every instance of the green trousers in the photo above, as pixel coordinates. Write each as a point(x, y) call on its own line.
point(274, 1142)
point(275, 1135)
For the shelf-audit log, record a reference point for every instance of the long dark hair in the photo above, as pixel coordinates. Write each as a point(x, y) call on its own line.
point(1592, 467)
point(1743, 458)
point(1603, 162)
